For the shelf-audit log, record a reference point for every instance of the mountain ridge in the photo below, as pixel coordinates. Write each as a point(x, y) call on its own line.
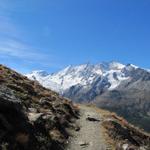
point(82, 74)
point(123, 89)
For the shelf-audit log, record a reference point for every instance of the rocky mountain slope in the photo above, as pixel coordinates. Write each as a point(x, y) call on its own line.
point(123, 89)
point(131, 99)
point(31, 116)
point(122, 135)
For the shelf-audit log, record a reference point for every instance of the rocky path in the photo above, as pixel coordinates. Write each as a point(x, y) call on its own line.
point(90, 136)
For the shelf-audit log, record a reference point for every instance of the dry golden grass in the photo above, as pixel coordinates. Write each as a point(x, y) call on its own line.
point(76, 107)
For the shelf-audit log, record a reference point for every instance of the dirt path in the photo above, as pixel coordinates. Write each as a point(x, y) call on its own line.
point(90, 136)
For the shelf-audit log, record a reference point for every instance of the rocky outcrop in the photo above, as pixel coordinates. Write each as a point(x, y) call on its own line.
point(123, 135)
point(31, 116)
point(127, 137)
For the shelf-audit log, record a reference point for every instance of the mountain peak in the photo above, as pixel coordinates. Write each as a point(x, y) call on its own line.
point(37, 74)
point(117, 65)
point(40, 72)
point(133, 66)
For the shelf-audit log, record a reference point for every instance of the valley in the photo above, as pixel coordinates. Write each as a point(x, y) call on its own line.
point(120, 88)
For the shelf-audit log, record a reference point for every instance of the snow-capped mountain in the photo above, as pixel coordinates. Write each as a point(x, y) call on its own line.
point(112, 73)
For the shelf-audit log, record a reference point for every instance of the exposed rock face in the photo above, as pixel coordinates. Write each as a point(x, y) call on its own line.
point(131, 99)
point(125, 136)
point(31, 116)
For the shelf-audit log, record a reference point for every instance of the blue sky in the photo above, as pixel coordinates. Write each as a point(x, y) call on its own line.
point(51, 34)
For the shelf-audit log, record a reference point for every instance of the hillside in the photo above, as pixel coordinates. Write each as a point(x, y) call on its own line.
point(31, 116)
point(101, 130)
point(122, 135)
point(131, 99)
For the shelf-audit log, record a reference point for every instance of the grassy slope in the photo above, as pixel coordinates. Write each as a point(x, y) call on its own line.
point(45, 114)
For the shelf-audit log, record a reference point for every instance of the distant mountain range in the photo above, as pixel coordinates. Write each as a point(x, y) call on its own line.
point(83, 75)
point(124, 89)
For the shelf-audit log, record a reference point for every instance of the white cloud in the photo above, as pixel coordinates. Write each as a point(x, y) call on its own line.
point(13, 50)
point(11, 36)
point(11, 44)
point(20, 50)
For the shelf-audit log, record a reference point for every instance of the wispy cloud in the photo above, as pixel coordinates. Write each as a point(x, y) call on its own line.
point(25, 58)
point(7, 25)
point(23, 53)
point(20, 50)
point(12, 45)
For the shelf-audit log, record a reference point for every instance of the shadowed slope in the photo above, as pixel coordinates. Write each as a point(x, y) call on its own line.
point(31, 116)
